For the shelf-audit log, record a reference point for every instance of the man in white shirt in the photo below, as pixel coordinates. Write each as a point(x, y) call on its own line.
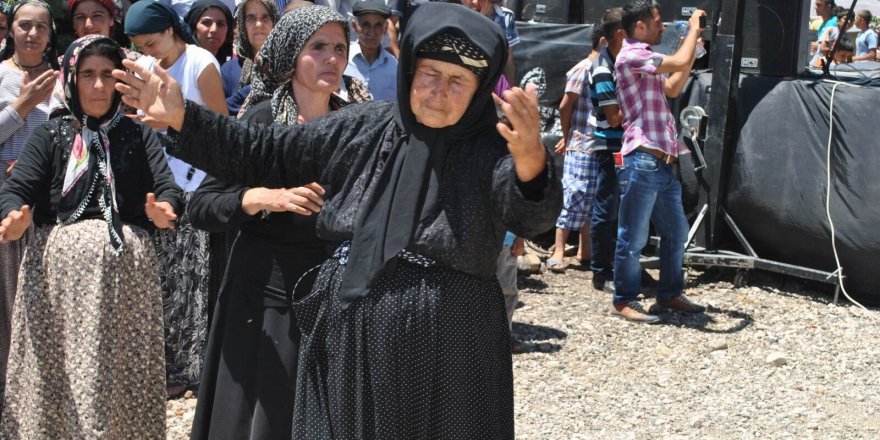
point(368, 61)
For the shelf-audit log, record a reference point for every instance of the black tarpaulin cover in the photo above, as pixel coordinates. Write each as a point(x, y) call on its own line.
point(777, 187)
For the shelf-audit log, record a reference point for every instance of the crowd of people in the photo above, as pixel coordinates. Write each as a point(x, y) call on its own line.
point(832, 24)
point(308, 214)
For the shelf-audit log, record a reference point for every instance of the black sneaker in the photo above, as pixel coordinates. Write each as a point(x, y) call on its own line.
point(602, 283)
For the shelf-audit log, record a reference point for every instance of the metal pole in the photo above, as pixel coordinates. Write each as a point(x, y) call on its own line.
point(720, 142)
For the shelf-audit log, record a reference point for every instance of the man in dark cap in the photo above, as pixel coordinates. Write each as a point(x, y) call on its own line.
point(368, 61)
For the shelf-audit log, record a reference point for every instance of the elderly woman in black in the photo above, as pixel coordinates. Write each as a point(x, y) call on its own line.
point(404, 334)
point(87, 354)
point(247, 386)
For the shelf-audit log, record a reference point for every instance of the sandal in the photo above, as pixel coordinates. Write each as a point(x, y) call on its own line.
point(173, 392)
point(517, 346)
point(557, 266)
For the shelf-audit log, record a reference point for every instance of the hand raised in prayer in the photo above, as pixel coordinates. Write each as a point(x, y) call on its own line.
point(157, 95)
point(15, 224)
point(160, 213)
point(34, 91)
point(524, 134)
point(303, 200)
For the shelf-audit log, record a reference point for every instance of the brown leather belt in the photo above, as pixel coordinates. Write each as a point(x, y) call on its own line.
point(668, 159)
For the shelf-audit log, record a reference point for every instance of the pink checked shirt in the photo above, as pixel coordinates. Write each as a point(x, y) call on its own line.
point(647, 120)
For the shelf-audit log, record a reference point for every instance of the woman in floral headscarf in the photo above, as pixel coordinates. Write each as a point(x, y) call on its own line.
point(87, 353)
point(247, 386)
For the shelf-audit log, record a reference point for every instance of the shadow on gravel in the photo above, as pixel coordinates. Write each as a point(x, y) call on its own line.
point(734, 322)
point(534, 337)
point(531, 285)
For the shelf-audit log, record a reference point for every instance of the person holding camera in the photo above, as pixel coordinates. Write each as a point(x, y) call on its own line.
point(650, 188)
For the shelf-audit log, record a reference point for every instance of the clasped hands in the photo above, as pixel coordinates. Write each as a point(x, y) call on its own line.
point(303, 200)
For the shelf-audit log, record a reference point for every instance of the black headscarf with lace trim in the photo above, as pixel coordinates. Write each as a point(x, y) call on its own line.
point(407, 192)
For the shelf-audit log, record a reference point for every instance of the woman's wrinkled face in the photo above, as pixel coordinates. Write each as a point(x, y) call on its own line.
point(212, 30)
point(156, 45)
point(258, 23)
point(441, 92)
point(320, 64)
point(90, 17)
point(31, 29)
point(95, 85)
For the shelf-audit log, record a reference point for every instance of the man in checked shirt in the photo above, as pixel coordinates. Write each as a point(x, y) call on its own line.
point(650, 189)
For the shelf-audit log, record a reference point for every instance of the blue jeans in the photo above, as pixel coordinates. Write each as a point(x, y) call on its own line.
point(603, 221)
point(649, 191)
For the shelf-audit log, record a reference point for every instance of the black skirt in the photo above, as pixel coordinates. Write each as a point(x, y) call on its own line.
point(426, 355)
point(248, 381)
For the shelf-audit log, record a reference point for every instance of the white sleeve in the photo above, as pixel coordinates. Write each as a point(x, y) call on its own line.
point(10, 122)
point(203, 59)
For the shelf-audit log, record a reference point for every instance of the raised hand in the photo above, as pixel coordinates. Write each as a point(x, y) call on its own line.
point(33, 92)
point(694, 21)
point(160, 213)
point(157, 95)
point(303, 200)
point(524, 134)
point(15, 224)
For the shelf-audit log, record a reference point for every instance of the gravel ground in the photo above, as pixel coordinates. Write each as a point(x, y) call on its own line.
point(773, 359)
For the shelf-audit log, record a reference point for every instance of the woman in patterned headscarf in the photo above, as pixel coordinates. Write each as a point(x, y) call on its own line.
point(87, 356)
point(254, 20)
point(240, 397)
point(404, 334)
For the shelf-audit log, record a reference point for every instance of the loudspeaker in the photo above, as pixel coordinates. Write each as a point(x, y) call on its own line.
point(545, 11)
point(775, 37)
point(670, 10)
point(593, 10)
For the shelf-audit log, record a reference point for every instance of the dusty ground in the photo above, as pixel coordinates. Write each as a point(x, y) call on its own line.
point(773, 359)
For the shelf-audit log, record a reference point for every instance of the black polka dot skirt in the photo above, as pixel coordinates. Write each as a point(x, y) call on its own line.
point(426, 355)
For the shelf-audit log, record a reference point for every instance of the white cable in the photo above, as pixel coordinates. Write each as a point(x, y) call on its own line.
point(839, 270)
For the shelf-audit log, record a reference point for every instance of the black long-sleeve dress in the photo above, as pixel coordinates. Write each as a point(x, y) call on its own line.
point(87, 346)
point(426, 353)
point(248, 381)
